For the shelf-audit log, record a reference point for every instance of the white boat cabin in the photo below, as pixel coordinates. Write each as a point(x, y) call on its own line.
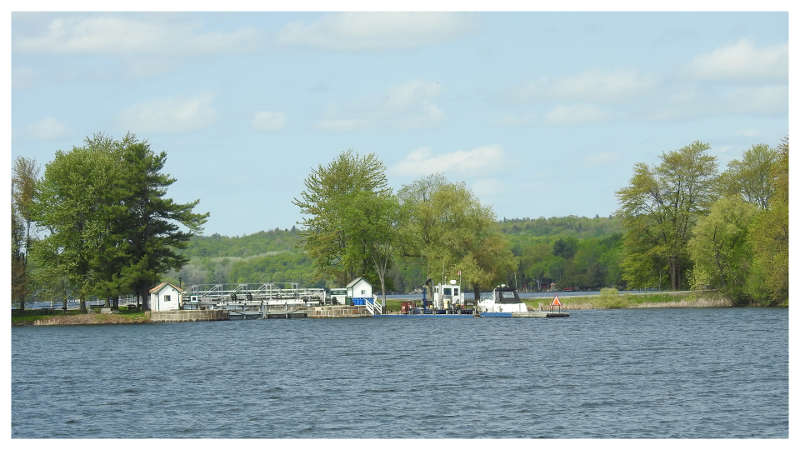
point(504, 299)
point(165, 297)
point(445, 296)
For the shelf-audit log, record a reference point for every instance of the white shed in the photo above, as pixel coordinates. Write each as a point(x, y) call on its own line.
point(359, 288)
point(165, 297)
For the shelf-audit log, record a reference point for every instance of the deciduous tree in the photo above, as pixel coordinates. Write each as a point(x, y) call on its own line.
point(23, 182)
point(721, 249)
point(328, 211)
point(660, 207)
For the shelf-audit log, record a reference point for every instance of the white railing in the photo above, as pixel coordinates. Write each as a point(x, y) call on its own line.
point(374, 307)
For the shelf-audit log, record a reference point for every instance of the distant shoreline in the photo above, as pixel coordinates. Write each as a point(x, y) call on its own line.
point(701, 299)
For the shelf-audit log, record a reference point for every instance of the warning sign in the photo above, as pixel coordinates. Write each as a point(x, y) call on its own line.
point(555, 302)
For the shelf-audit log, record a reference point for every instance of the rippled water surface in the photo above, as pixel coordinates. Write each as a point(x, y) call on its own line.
point(651, 373)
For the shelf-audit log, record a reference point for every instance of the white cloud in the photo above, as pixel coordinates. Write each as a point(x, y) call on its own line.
point(741, 61)
point(463, 162)
point(768, 99)
point(576, 114)
point(375, 30)
point(268, 120)
point(590, 86)
point(691, 102)
point(48, 129)
point(170, 115)
point(113, 34)
point(409, 105)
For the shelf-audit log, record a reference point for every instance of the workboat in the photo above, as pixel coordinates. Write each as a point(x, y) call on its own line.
point(446, 300)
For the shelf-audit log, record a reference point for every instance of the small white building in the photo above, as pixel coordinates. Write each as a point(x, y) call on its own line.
point(359, 288)
point(165, 297)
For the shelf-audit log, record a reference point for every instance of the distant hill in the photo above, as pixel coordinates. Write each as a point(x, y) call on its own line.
point(288, 240)
point(262, 242)
point(276, 255)
point(574, 226)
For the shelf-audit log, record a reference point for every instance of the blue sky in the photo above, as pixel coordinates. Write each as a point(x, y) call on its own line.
point(541, 114)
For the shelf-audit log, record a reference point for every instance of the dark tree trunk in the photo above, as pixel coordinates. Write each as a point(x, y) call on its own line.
point(476, 291)
point(145, 302)
point(83, 306)
point(674, 274)
point(115, 305)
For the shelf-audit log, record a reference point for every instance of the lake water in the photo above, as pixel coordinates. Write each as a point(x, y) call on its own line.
point(653, 373)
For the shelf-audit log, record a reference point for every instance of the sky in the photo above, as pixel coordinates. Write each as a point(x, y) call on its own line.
point(541, 114)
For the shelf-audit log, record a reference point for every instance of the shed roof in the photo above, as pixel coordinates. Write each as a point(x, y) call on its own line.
point(163, 284)
point(353, 283)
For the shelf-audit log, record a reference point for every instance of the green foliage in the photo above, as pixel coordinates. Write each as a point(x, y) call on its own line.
point(259, 243)
point(659, 208)
point(578, 227)
point(721, 249)
point(329, 214)
point(769, 233)
point(610, 299)
point(111, 229)
point(741, 246)
point(451, 231)
point(23, 184)
point(752, 178)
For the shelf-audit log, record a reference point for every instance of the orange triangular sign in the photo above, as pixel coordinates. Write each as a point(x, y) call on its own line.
point(556, 302)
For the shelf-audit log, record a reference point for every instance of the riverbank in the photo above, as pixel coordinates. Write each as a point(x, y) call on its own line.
point(611, 299)
point(33, 317)
point(59, 318)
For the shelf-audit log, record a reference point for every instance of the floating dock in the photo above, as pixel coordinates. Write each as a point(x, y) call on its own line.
point(518, 315)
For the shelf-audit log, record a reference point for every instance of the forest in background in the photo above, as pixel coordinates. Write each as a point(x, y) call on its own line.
point(98, 224)
point(575, 252)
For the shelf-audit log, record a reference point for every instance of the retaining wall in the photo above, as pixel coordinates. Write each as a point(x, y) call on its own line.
point(188, 315)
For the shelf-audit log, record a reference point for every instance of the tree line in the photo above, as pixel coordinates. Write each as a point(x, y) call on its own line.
point(691, 226)
point(682, 224)
point(106, 227)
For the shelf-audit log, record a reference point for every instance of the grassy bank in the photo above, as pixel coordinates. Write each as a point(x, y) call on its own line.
point(612, 299)
point(20, 318)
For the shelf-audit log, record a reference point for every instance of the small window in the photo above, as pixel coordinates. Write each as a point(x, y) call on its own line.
point(363, 291)
point(448, 291)
point(455, 291)
point(166, 298)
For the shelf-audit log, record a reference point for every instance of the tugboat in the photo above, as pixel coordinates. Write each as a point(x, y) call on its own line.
point(447, 301)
